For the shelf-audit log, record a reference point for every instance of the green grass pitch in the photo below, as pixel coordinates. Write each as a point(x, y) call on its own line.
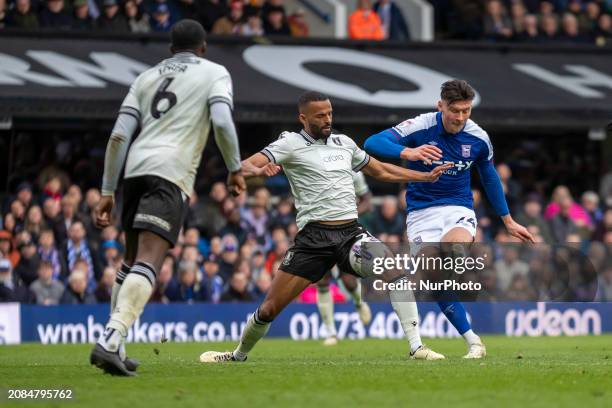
point(519, 372)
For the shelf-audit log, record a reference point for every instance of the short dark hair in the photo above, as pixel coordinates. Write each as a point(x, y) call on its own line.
point(456, 90)
point(187, 34)
point(311, 96)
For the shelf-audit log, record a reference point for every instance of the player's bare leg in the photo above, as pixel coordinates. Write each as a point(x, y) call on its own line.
point(353, 286)
point(131, 300)
point(325, 304)
point(454, 311)
point(284, 289)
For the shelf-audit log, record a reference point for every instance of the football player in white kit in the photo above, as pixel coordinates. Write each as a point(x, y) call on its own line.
point(319, 166)
point(174, 104)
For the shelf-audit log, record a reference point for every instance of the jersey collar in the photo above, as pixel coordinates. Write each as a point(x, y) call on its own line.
point(307, 137)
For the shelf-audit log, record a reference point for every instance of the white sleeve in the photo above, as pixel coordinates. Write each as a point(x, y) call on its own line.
point(131, 103)
point(117, 150)
point(278, 151)
point(360, 183)
point(359, 158)
point(221, 91)
point(225, 134)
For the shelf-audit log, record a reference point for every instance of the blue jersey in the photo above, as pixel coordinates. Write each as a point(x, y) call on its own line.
point(469, 148)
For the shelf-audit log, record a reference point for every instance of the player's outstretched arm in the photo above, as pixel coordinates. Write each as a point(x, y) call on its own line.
point(259, 165)
point(116, 152)
point(394, 174)
point(495, 192)
point(389, 145)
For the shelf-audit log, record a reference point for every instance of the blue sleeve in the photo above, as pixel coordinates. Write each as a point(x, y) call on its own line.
point(384, 144)
point(493, 187)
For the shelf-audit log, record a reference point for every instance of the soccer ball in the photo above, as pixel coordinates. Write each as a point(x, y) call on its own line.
point(361, 256)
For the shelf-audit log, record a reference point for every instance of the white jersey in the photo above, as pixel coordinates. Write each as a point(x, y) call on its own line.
point(171, 102)
point(360, 183)
point(320, 174)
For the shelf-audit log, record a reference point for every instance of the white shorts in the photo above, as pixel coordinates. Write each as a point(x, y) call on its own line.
point(431, 224)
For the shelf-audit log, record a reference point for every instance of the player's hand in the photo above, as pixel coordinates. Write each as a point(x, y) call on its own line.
point(235, 183)
point(103, 210)
point(269, 170)
point(426, 153)
point(517, 230)
point(435, 174)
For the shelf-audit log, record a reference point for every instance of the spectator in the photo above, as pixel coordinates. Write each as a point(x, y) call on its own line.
point(18, 211)
point(298, 24)
point(111, 19)
point(209, 216)
point(570, 32)
point(23, 16)
point(231, 23)
point(104, 289)
point(530, 33)
point(497, 24)
point(549, 32)
point(48, 252)
point(46, 289)
point(262, 285)
point(509, 266)
point(111, 252)
point(76, 293)
point(54, 15)
point(238, 289)
point(393, 23)
point(253, 26)
point(68, 216)
point(212, 283)
point(592, 11)
point(9, 223)
point(365, 24)
point(35, 222)
point(604, 226)
point(532, 215)
point(234, 223)
point(520, 290)
point(562, 224)
point(53, 187)
point(276, 22)
point(7, 250)
point(576, 8)
point(161, 21)
point(518, 11)
point(484, 221)
point(188, 289)
point(229, 256)
point(164, 281)
point(512, 188)
point(603, 31)
point(10, 289)
point(192, 238)
point(256, 218)
point(388, 220)
point(590, 203)
point(283, 214)
point(82, 19)
point(26, 269)
point(138, 21)
point(51, 211)
point(77, 248)
point(576, 212)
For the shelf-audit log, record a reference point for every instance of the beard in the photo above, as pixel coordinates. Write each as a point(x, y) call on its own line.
point(319, 132)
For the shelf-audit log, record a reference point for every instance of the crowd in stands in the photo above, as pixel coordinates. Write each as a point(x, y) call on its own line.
point(224, 17)
point(51, 253)
point(526, 21)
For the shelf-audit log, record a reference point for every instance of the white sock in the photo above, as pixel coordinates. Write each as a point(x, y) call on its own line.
point(325, 304)
point(134, 295)
point(471, 337)
point(406, 309)
point(255, 329)
point(111, 339)
point(356, 294)
point(121, 275)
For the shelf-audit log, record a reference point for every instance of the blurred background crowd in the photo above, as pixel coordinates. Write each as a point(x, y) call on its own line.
point(523, 21)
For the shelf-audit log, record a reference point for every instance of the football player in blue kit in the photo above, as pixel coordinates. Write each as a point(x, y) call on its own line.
point(443, 212)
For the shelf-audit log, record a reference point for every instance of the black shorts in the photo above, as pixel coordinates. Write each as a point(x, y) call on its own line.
point(153, 204)
point(318, 247)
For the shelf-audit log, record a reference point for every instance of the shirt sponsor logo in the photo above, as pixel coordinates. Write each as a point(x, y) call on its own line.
point(333, 158)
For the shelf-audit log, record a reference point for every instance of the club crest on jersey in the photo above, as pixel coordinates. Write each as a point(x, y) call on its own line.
point(432, 142)
point(466, 150)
